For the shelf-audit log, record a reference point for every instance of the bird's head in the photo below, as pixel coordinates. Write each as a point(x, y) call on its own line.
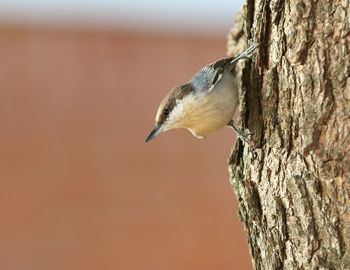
point(171, 111)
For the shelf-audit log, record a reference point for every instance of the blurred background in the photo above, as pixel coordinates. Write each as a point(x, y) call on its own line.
point(80, 82)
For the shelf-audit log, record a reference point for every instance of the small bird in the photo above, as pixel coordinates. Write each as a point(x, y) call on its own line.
point(205, 103)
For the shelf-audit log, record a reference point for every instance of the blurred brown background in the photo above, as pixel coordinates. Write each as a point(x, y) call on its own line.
point(79, 187)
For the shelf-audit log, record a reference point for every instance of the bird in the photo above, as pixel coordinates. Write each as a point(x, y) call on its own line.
point(206, 103)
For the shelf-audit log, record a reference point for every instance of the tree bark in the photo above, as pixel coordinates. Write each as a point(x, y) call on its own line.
point(293, 185)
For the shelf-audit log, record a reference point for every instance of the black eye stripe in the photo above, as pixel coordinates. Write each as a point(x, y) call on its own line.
point(217, 76)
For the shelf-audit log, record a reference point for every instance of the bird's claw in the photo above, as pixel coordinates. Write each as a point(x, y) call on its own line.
point(248, 53)
point(245, 136)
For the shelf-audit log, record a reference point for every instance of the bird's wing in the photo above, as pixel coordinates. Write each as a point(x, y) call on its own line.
point(210, 75)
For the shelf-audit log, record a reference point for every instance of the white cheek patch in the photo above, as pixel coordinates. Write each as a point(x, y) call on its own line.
point(188, 103)
point(176, 113)
point(183, 110)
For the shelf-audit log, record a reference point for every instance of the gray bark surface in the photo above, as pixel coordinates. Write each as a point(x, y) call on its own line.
point(293, 186)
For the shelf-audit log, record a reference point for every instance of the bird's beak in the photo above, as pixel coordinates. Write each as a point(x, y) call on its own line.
point(153, 133)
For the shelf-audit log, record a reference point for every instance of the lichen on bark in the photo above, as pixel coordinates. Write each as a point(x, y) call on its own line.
point(293, 186)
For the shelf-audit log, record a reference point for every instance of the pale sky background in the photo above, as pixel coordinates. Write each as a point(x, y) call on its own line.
point(183, 16)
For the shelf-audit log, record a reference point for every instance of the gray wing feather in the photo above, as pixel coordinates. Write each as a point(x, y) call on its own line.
point(203, 80)
point(210, 75)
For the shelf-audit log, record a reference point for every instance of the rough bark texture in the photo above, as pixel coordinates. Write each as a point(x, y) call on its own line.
point(293, 187)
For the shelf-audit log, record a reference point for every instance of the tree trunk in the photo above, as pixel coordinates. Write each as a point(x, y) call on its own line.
point(293, 186)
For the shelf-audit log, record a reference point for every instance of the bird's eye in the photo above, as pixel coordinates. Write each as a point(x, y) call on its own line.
point(166, 112)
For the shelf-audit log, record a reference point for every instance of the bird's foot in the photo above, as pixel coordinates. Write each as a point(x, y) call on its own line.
point(251, 50)
point(244, 136)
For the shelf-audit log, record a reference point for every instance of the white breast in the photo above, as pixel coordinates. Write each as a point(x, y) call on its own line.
point(205, 112)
